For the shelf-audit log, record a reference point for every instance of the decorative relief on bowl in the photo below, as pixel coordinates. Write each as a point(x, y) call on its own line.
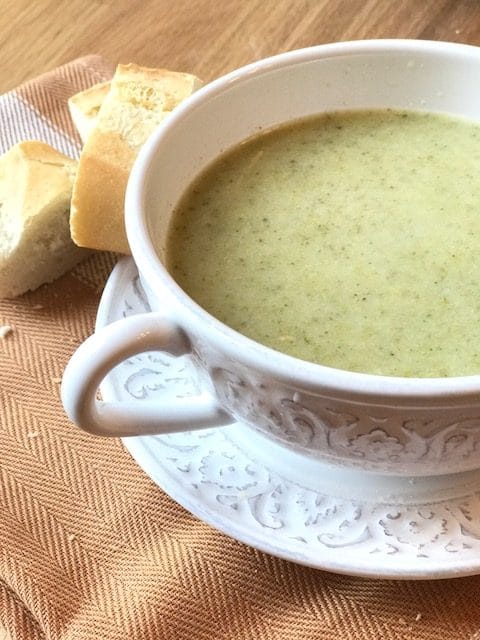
point(330, 430)
point(338, 432)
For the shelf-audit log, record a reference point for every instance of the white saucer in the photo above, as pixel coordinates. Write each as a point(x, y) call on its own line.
point(261, 494)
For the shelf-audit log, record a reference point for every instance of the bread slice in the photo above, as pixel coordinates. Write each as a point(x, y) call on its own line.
point(84, 107)
point(35, 243)
point(138, 100)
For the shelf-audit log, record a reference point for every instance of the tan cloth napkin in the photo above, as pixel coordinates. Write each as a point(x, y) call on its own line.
point(91, 549)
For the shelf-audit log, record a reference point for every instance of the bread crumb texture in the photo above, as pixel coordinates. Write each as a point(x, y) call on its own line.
point(35, 244)
point(137, 101)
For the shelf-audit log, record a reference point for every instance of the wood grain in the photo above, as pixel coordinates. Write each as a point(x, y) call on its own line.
point(210, 37)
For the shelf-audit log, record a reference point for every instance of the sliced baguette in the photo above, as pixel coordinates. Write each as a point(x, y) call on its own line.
point(84, 107)
point(138, 100)
point(35, 243)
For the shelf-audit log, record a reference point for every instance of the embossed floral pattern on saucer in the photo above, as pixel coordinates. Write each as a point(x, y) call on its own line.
point(280, 502)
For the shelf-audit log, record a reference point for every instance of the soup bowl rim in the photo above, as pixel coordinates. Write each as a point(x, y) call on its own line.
point(196, 320)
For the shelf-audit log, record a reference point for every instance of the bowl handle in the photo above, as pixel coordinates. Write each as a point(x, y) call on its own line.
point(110, 346)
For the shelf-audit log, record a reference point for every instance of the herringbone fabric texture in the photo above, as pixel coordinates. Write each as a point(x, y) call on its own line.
point(91, 549)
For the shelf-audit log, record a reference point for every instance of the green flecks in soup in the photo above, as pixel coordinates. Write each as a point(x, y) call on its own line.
point(351, 240)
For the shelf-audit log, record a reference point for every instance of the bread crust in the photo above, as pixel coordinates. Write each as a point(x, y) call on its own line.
point(84, 107)
point(138, 100)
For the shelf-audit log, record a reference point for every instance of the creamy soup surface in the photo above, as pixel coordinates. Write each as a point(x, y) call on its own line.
point(350, 239)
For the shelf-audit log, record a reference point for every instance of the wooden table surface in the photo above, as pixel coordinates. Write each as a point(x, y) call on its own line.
point(210, 37)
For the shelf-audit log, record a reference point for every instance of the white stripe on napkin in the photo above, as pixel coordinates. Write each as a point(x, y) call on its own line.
point(20, 121)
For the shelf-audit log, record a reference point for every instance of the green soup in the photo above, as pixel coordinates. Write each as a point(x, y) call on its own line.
point(349, 239)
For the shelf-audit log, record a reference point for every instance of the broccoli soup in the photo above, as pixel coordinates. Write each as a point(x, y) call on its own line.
point(349, 239)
